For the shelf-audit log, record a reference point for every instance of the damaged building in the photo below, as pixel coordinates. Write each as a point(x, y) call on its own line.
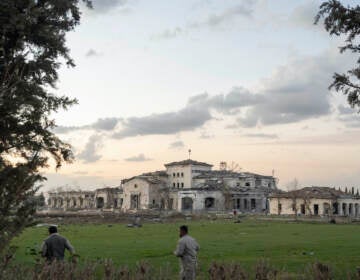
point(315, 201)
point(186, 186)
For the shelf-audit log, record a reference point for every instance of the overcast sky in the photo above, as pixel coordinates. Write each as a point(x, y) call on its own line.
point(236, 81)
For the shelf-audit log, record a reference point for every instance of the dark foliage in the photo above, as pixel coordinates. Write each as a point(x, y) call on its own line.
point(32, 43)
point(340, 20)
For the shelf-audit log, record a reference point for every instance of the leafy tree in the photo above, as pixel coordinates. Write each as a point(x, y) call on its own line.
point(32, 42)
point(340, 20)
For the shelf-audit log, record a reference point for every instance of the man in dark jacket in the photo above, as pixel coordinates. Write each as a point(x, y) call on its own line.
point(53, 247)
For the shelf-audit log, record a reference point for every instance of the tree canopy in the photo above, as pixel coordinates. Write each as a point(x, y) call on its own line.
point(341, 20)
point(32, 44)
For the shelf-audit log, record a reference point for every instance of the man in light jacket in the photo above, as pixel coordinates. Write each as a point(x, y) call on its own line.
point(187, 249)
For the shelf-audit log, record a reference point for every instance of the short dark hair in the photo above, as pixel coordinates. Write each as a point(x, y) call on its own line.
point(52, 229)
point(184, 228)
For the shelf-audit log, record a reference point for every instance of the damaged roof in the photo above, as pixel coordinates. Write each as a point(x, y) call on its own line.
point(313, 192)
point(188, 162)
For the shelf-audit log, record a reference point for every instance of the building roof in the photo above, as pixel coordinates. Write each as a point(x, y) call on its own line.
point(313, 192)
point(228, 174)
point(188, 162)
point(146, 178)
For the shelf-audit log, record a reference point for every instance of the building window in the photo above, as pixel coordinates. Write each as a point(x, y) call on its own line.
point(178, 185)
point(209, 202)
point(153, 201)
point(182, 185)
point(247, 184)
point(302, 209)
point(174, 175)
point(135, 186)
point(238, 184)
point(174, 185)
point(253, 204)
point(279, 208)
point(178, 174)
point(182, 174)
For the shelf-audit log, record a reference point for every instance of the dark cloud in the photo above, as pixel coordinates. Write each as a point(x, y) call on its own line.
point(138, 158)
point(243, 10)
point(261, 135)
point(187, 119)
point(295, 92)
point(229, 103)
point(102, 124)
point(346, 110)
point(349, 116)
point(90, 153)
point(177, 145)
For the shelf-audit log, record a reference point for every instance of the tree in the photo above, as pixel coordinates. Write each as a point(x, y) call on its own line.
point(344, 21)
point(32, 42)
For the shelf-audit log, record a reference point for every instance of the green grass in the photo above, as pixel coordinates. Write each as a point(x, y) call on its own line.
point(288, 246)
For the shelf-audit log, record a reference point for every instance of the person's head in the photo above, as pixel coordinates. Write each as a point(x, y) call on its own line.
point(52, 229)
point(183, 230)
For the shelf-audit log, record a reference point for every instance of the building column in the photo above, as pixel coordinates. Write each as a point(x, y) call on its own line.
point(340, 208)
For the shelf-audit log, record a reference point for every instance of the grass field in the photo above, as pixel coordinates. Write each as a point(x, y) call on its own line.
point(288, 246)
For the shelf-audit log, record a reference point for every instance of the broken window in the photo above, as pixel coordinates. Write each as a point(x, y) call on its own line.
point(134, 201)
point(316, 209)
point(187, 203)
point(171, 203)
point(247, 184)
point(209, 202)
point(238, 203)
point(335, 208)
point(253, 204)
point(99, 202)
point(302, 209)
point(245, 204)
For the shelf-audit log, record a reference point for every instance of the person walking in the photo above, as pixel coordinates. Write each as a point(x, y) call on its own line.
point(53, 247)
point(187, 249)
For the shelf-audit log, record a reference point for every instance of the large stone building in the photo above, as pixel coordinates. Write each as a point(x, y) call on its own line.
point(186, 185)
point(316, 201)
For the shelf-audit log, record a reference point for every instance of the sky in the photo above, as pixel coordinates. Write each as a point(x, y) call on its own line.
point(242, 81)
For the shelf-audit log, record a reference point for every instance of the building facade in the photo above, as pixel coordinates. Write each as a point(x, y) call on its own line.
point(315, 201)
point(184, 186)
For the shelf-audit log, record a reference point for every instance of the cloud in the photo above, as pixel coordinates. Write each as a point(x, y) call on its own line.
point(138, 158)
point(261, 135)
point(295, 92)
point(186, 119)
point(243, 10)
point(102, 124)
point(177, 145)
point(205, 135)
point(105, 6)
point(90, 152)
point(91, 53)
